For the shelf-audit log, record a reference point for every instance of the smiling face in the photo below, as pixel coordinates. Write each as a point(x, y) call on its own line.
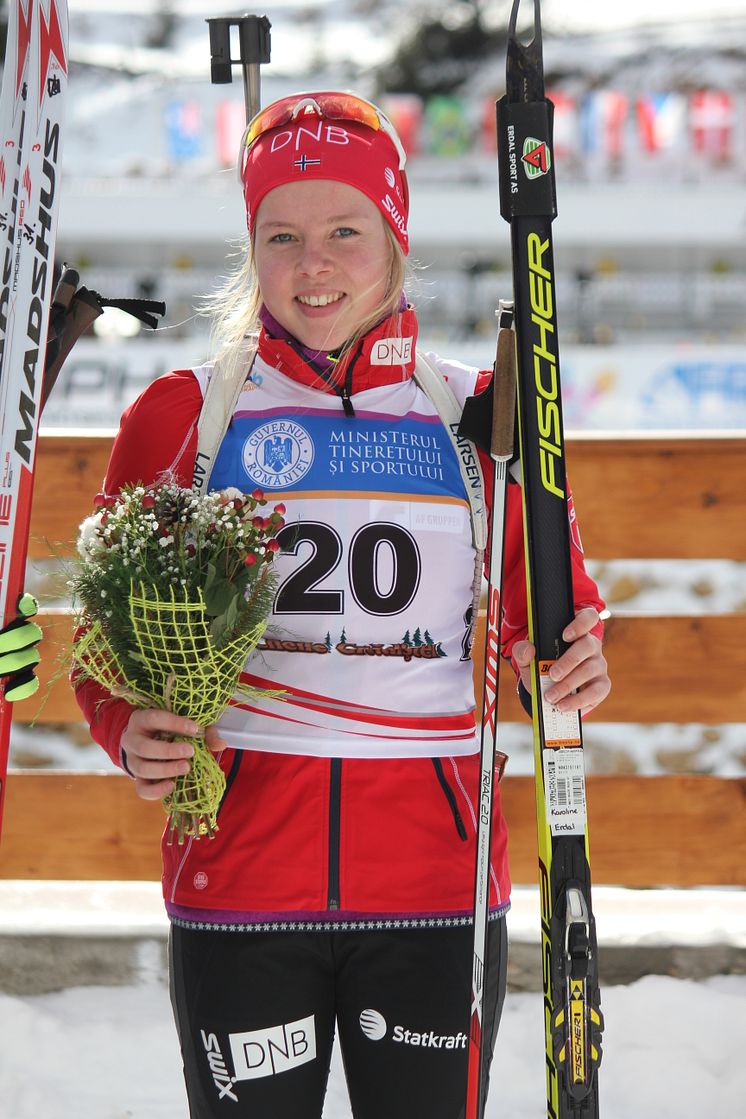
point(323, 259)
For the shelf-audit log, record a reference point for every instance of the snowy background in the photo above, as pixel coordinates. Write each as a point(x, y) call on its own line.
point(673, 1049)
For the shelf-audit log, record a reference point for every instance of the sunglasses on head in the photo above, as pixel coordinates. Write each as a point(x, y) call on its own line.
point(330, 105)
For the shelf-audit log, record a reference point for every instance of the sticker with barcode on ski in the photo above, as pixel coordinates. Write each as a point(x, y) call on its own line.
point(564, 791)
point(561, 728)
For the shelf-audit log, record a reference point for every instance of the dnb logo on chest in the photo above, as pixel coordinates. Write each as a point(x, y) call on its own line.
point(278, 454)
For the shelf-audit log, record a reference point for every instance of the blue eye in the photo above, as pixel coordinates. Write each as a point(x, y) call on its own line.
point(345, 231)
point(282, 238)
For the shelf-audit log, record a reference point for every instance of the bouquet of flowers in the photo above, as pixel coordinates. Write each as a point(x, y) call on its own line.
point(173, 591)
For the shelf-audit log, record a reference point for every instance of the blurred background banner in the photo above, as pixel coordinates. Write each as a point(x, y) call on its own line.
point(602, 122)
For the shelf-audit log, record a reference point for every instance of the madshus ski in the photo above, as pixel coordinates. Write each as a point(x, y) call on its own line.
point(573, 1021)
point(32, 103)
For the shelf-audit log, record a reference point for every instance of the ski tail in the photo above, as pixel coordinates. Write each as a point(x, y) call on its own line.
point(573, 1020)
point(500, 398)
point(31, 113)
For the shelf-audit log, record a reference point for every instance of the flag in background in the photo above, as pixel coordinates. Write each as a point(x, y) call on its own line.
point(448, 130)
point(184, 129)
point(566, 126)
point(230, 123)
point(711, 123)
point(487, 126)
point(404, 110)
point(661, 121)
point(603, 121)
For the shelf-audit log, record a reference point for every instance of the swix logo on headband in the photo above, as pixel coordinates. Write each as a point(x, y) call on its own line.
point(393, 215)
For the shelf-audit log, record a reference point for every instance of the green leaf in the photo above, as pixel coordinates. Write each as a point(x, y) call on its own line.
point(218, 630)
point(231, 614)
point(219, 596)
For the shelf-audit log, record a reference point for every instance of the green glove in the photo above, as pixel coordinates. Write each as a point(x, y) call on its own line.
point(18, 653)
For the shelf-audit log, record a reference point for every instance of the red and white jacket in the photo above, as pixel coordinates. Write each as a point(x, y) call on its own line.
point(351, 799)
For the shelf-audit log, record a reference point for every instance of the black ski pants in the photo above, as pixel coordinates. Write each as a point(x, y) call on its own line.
point(256, 1016)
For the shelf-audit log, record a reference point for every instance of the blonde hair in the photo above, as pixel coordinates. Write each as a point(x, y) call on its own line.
point(235, 304)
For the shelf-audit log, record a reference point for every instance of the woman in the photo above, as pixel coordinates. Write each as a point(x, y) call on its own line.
point(339, 886)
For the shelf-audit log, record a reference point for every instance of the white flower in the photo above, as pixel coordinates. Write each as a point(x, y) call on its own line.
point(90, 542)
point(233, 494)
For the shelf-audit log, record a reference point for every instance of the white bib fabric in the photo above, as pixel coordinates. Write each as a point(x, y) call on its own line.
point(371, 630)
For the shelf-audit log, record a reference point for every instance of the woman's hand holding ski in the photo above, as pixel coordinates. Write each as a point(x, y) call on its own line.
point(580, 676)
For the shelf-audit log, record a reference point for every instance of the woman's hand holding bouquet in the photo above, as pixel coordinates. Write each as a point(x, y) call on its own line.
point(174, 589)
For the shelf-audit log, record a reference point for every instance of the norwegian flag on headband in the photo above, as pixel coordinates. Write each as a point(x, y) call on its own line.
point(711, 121)
point(661, 121)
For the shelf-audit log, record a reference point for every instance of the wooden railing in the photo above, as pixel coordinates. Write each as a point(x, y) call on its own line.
point(638, 497)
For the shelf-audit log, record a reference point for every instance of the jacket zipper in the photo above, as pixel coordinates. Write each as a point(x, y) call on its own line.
point(335, 798)
point(450, 797)
point(230, 777)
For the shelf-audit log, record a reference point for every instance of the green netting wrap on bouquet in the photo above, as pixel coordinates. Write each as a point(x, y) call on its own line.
point(182, 671)
point(179, 656)
point(177, 638)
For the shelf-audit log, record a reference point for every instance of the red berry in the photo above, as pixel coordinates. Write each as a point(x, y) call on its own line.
point(250, 559)
point(258, 495)
point(257, 521)
point(148, 502)
point(99, 501)
point(273, 546)
point(280, 508)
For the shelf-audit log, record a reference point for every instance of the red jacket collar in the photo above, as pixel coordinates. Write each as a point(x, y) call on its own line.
point(384, 356)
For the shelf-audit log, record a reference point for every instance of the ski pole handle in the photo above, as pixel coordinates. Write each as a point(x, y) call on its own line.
point(254, 49)
point(503, 399)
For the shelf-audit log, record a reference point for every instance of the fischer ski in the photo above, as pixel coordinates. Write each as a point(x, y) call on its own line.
point(573, 1021)
point(32, 104)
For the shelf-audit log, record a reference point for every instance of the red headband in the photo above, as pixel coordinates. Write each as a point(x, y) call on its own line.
point(342, 150)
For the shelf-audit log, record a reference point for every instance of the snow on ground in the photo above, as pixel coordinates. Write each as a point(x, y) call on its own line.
point(673, 1048)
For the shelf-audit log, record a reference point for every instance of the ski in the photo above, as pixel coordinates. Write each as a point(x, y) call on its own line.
point(572, 1017)
point(497, 404)
point(32, 104)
